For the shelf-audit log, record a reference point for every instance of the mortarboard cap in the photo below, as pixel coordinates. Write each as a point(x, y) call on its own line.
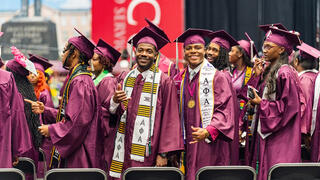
point(247, 44)
point(307, 51)
point(224, 39)
point(157, 30)
point(107, 51)
point(283, 38)
point(83, 44)
point(193, 36)
point(266, 27)
point(39, 62)
point(146, 35)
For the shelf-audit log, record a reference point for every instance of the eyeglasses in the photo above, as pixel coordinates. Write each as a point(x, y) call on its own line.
point(267, 47)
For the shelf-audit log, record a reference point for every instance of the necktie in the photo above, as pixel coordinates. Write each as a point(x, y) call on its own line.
point(138, 79)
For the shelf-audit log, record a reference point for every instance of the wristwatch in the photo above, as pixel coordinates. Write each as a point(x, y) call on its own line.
point(163, 155)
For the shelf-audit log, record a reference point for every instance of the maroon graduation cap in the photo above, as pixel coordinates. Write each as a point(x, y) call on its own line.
point(193, 36)
point(283, 38)
point(40, 62)
point(146, 35)
point(247, 44)
point(223, 39)
point(107, 51)
point(83, 44)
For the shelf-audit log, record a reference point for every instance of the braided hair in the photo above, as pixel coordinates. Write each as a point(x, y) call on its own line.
point(26, 90)
point(222, 61)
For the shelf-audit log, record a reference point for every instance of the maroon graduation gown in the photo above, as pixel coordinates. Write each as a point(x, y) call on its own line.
point(78, 139)
point(218, 152)
point(167, 135)
point(15, 138)
point(281, 118)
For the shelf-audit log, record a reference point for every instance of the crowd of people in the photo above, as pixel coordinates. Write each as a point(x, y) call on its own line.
point(228, 106)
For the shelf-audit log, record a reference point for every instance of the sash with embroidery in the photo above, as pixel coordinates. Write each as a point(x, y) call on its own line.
point(144, 122)
point(249, 115)
point(80, 69)
point(205, 95)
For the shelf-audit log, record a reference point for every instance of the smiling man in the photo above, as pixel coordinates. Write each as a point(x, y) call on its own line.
point(146, 105)
point(206, 107)
point(218, 49)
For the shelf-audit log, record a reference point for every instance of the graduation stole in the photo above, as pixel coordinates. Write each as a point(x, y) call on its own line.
point(103, 74)
point(205, 95)
point(144, 122)
point(315, 104)
point(247, 77)
point(79, 69)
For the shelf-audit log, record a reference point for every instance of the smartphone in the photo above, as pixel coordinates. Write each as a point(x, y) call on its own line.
point(250, 93)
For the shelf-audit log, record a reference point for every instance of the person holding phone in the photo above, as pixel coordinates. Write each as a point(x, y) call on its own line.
point(276, 128)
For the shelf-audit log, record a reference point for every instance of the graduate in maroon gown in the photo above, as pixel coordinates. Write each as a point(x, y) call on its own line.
point(146, 106)
point(104, 59)
point(43, 95)
point(16, 139)
point(240, 57)
point(76, 134)
point(217, 54)
point(276, 128)
point(306, 64)
point(206, 107)
point(19, 70)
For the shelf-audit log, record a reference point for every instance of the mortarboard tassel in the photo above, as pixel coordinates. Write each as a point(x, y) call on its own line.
point(251, 50)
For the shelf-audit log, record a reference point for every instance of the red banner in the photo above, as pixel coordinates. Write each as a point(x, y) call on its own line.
point(115, 21)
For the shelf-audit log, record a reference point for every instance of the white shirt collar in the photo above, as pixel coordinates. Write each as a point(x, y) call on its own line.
point(144, 73)
point(193, 72)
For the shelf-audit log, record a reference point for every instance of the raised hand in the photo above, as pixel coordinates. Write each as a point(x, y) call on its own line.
point(119, 95)
point(37, 106)
point(258, 66)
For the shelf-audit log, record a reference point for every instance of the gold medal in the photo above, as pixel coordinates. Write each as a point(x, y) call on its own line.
point(191, 103)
